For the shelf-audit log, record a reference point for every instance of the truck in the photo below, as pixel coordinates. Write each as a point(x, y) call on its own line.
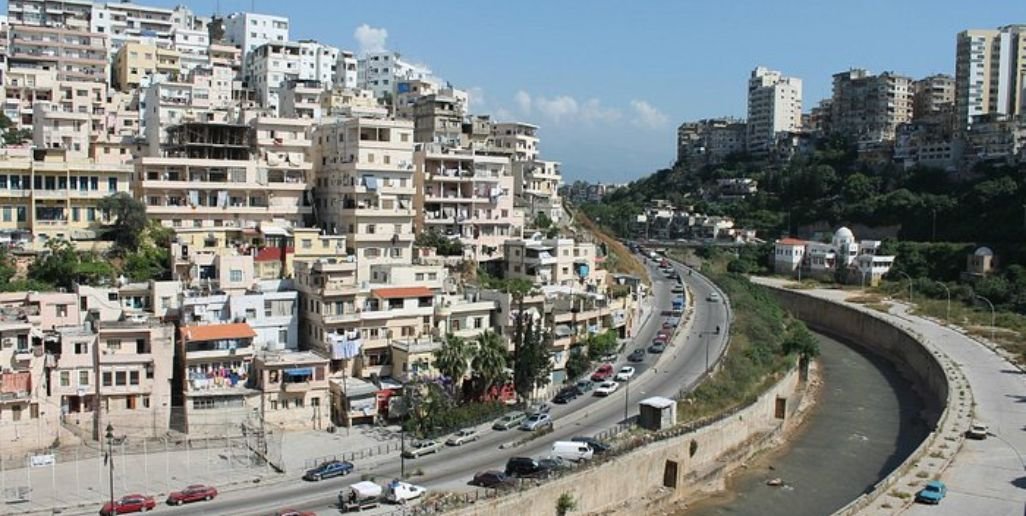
point(360, 496)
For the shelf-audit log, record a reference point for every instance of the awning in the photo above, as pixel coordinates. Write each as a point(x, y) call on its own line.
point(272, 230)
point(299, 371)
point(211, 332)
point(402, 292)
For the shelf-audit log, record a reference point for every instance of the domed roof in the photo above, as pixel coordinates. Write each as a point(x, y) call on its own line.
point(844, 233)
point(984, 251)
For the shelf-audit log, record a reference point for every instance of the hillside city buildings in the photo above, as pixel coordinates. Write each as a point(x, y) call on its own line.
point(295, 178)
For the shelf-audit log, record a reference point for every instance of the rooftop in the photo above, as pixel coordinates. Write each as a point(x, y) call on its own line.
point(210, 332)
point(402, 292)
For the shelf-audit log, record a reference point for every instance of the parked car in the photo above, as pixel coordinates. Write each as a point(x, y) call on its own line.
point(400, 492)
point(572, 450)
point(332, 468)
point(713, 298)
point(566, 394)
point(602, 373)
point(536, 422)
point(657, 348)
point(492, 479)
point(293, 512)
point(638, 355)
point(667, 325)
point(509, 421)
point(595, 444)
point(463, 436)
point(977, 430)
point(606, 388)
point(526, 467)
point(608, 357)
point(193, 493)
point(128, 504)
point(585, 385)
point(421, 448)
point(552, 463)
point(624, 374)
point(541, 408)
point(933, 493)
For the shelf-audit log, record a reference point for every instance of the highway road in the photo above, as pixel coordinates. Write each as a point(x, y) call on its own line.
point(680, 366)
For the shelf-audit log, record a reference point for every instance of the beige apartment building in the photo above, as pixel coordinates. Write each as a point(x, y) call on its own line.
point(536, 186)
point(301, 99)
point(933, 97)
point(774, 107)
point(990, 73)
point(351, 103)
point(365, 188)
point(518, 138)
point(74, 54)
point(556, 261)
point(135, 61)
point(68, 121)
point(438, 118)
point(469, 196)
point(216, 361)
point(23, 87)
point(870, 107)
point(294, 387)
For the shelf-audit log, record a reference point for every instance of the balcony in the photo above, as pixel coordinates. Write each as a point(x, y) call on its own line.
point(384, 237)
point(295, 386)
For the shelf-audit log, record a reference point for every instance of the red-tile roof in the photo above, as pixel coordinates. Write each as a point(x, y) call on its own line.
point(791, 241)
point(402, 292)
point(207, 332)
point(271, 254)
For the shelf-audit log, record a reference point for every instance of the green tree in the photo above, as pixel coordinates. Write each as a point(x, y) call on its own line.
point(577, 363)
point(542, 221)
point(533, 363)
point(602, 344)
point(801, 342)
point(62, 266)
point(128, 217)
point(7, 268)
point(11, 135)
point(452, 359)
point(565, 503)
point(490, 361)
point(443, 245)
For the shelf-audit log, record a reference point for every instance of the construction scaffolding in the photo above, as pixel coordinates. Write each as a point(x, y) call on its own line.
point(209, 140)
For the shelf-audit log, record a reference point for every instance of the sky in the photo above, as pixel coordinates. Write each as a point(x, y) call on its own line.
point(608, 82)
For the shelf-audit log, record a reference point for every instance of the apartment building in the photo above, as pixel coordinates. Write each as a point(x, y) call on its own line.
point(216, 362)
point(408, 92)
point(74, 54)
point(221, 54)
point(463, 195)
point(990, 70)
point(294, 387)
point(996, 138)
point(72, 13)
point(318, 62)
point(518, 138)
point(135, 62)
point(23, 87)
point(346, 66)
point(269, 307)
point(870, 107)
point(268, 67)
point(478, 134)
point(774, 107)
point(711, 140)
point(190, 38)
point(55, 196)
point(67, 121)
point(438, 117)
point(933, 97)
point(536, 184)
point(555, 261)
point(301, 99)
point(381, 71)
point(351, 103)
point(248, 31)
point(928, 142)
point(126, 22)
point(365, 188)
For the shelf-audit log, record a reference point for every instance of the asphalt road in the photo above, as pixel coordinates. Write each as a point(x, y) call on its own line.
point(680, 366)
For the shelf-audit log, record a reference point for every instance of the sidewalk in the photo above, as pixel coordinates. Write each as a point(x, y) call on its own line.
point(989, 476)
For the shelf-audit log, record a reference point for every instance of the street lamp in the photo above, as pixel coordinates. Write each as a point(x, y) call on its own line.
point(992, 316)
point(947, 309)
point(909, 285)
point(627, 400)
point(702, 336)
point(110, 462)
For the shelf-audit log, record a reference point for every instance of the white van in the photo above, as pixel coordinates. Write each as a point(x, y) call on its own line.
point(573, 451)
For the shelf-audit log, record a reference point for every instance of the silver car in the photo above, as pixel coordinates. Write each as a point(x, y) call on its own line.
point(462, 437)
point(421, 448)
point(537, 422)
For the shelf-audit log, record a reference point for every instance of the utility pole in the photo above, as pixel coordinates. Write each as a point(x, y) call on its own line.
point(627, 400)
point(110, 462)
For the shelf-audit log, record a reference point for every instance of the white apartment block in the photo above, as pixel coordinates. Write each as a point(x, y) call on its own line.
point(381, 71)
point(193, 47)
point(318, 62)
point(250, 30)
point(536, 185)
point(269, 307)
point(774, 106)
point(68, 121)
point(270, 66)
point(518, 138)
point(467, 196)
point(301, 99)
point(346, 70)
point(75, 54)
point(556, 261)
point(990, 73)
point(70, 14)
point(124, 22)
point(365, 188)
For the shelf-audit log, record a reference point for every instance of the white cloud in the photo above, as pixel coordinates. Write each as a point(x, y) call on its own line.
point(593, 110)
point(477, 99)
point(370, 39)
point(647, 115)
point(504, 115)
point(523, 100)
point(557, 109)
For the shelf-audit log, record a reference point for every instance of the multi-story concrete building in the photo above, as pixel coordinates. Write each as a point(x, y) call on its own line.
point(518, 138)
point(216, 362)
point(127, 22)
point(841, 259)
point(294, 387)
point(365, 188)
point(381, 71)
point(318, 62)
point(408, 92)
point(250, 30)
point(929, 142)
point(75, 54)
point(301, 99)
point(70, 119)
point(23, 87)
point(536, 185)
point(990, 73)
point(555, 261)
point(346, 75)
point(711, 140)
point(933, 97)
point(135, 62)
point(464, 195)
point(269, 307)
point(268, 67)
point(996, 138)
point(870, 107)
point(774, 106)
point(71, 13)
point(438, 117)
point(351, 103)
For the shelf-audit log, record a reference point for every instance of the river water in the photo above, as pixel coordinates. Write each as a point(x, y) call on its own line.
point(866, 423)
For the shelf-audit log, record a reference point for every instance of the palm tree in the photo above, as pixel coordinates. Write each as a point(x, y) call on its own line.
point(453, 358)
point(490, 359)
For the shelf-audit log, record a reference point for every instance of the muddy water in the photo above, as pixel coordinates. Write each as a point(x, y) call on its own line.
point(866, 423)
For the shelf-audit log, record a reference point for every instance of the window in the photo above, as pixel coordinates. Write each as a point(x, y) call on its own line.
point(81, 348)
point(307, 243)
point(65, 378)
point(133, 378)
point(478, 322)
point(146, 401)
point(16, 412)
point(299, 403)
point(112, 184)
point(114, 344)
point(120, 378)
point(315, 402)
point(108, 378)
point(235, 275)
point(283, 336)
point(274, 404)
point(83, 378)
point(62, 310)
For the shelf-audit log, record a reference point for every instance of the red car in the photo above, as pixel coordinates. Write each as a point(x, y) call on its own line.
point(127, 504)
point(603, 372)
point(193, 493)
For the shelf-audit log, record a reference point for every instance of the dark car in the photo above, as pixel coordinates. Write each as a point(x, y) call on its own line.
point(585, 385)
point(334, 468)
point(567, 394)
point(595, 445)
point(128, 504)
point(638, 355)
point(657, 348)
point(193, 493)
point(492, 479)
point(525, 467)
